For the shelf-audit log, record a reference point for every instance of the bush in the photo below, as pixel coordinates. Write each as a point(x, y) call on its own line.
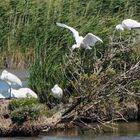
point(26, 109)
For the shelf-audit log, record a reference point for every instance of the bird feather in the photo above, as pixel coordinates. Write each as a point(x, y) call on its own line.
point(130, 23)
point(91, 39)
point(75, 33)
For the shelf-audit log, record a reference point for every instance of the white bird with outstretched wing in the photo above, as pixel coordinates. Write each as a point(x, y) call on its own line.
point(86, 42)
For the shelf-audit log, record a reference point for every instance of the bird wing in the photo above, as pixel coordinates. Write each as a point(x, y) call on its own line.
point(91, 39)
point(130, 23)
point(13, 78)
point(75, 33)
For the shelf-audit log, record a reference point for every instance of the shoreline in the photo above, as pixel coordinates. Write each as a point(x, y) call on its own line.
point(42, 125)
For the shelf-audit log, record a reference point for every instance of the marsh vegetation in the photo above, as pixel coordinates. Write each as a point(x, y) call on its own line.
point(103, 83)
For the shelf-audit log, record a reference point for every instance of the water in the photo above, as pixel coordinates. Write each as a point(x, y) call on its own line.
point(126, 131)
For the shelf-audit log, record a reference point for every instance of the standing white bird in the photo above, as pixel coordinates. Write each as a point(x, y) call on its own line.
point(23, 93)
point(57, 92)
point(86, 42)
point(10, 79)
point(129, 24)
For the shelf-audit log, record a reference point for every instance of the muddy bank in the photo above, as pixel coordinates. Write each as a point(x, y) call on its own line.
point(72, 115)
point(9, 128)
point(91, 118)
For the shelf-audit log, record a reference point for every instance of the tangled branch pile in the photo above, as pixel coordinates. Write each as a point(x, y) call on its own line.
point(104, 87)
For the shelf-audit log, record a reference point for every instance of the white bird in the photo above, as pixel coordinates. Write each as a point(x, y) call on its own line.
point(23, 93)
point(128, 24)
point(15, 93)
point(10, 79)
point(57, 92)
point(86, 42)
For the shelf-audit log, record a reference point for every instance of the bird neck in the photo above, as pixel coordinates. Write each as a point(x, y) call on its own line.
point(75, 46)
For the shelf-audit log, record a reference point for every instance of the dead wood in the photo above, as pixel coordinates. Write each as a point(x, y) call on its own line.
point(103, 99)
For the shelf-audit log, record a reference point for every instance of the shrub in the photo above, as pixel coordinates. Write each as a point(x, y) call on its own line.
point(26, 109)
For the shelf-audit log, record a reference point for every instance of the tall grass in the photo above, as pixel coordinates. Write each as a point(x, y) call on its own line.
point(31, 25)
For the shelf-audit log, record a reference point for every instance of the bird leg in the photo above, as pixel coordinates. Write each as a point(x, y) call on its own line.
point(130, 37)
point(120, 36)
point(95, 53)
point(134, 39)
point(10, 91)
point(113, 36)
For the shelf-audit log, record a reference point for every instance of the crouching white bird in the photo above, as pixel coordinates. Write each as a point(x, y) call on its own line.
point(131, 25)
point(57, 92)
point(86, 42)
point(10, 79)
point(128, 24)
point(23, 93)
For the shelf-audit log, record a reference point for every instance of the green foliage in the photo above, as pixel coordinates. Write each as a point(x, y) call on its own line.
point(26, 109)
point(32, 24)
point(136, 83)
point(99, 17)
point(16, 103)
point(110, 72)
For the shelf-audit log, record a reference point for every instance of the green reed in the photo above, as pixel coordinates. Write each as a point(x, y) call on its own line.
point(31, 25)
